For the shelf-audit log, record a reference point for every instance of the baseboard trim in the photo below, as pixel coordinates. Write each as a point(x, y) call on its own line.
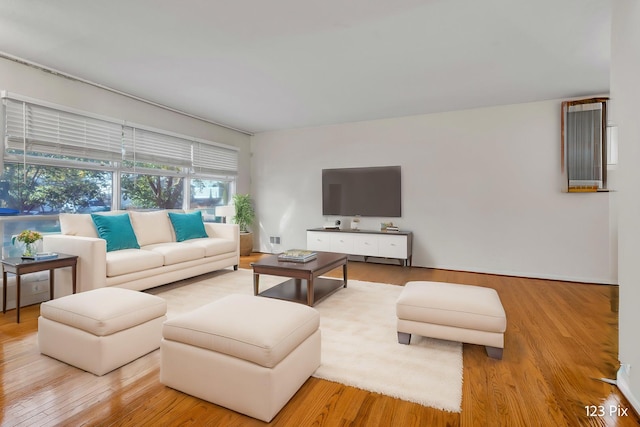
point(528, 275)
point(623, 385)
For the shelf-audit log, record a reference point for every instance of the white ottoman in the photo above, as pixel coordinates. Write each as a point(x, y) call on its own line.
point(102, 329)
point(246, 353)
point(465, 313)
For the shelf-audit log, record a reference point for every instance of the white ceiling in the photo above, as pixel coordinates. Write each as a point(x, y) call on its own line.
point(266, 65)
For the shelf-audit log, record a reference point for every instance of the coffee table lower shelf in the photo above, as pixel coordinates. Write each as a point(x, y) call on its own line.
point(296, 290)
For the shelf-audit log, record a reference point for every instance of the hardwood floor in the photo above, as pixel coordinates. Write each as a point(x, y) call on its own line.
point(561, 338)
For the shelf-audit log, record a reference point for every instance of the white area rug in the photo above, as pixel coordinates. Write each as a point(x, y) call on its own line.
point(359, 341)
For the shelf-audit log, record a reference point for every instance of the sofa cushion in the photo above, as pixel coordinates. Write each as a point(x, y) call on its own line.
point(214, 245)
point(77, 225)
point(187, 225)
point(73, 224)
point(176, 252)
point(116, 230)
point(152, 227)
point(131, 260)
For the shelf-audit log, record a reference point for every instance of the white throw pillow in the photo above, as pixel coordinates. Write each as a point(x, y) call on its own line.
point(77, 225)
point(152, 227)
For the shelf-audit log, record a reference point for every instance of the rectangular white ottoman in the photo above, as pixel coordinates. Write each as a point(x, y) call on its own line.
point(102, 329)
point(465, 313)
point(246, 353)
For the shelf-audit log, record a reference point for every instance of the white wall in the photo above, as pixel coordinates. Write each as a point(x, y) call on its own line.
point(481, 190)
point(32, 82)
point(625, 93)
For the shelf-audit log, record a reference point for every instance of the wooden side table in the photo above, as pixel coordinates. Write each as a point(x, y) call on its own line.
point(19, 266)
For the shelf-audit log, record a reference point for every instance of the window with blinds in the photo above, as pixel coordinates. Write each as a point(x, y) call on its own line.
point(584, 144)
point(143, 148)
point(35, 130)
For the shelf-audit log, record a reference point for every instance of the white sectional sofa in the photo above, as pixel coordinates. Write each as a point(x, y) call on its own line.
point(160, 257)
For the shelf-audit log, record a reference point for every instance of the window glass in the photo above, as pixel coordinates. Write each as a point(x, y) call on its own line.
point(584, 140)
point(30, 198)
point(142, 191)
point(41, 190)
point(206, 194)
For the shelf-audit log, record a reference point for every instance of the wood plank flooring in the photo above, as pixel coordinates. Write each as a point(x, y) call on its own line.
point(561, 338)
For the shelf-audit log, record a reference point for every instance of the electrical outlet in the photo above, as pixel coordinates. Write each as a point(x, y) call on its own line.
point(274, 240)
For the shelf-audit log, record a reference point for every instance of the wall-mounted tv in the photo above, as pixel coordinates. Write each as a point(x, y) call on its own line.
point(370, 191)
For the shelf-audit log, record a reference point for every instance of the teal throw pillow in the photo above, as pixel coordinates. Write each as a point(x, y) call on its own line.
point(116, 230)
point(187, 225)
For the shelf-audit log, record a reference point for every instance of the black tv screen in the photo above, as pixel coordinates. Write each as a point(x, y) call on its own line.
point(372, 191)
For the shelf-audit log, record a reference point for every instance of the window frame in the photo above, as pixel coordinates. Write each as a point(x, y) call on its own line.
point(598, 183)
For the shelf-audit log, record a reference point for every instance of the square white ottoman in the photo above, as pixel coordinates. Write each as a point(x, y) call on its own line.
point(102, 329)
point(246, 353)
point(465, 313)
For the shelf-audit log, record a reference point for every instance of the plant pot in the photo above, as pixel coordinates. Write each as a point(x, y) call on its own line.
point(246, 244)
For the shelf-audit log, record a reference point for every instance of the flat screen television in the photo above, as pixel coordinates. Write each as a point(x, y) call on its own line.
point(370, 191)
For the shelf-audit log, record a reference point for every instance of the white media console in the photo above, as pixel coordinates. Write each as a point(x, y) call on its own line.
point(366, 243)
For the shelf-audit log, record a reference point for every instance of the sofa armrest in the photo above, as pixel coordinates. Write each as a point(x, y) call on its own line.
point(92, 259)
point(224, 231)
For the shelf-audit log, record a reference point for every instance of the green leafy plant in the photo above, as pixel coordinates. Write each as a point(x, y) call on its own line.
point(244, 211)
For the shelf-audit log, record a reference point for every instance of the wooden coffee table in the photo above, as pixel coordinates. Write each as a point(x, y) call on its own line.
point(305, 286)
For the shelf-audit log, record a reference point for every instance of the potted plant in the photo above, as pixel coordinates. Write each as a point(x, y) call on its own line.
point(244, 218)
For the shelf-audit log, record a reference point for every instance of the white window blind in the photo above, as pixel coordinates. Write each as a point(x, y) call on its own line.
point(214, 159)
point(152, 147)
point(585, 144)
point(34, 130)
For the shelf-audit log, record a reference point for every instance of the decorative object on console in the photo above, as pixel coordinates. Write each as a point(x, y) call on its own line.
point(385, 225)
point(28, 238)
point(244, 216)
point(355, 224)
point(332, 225)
